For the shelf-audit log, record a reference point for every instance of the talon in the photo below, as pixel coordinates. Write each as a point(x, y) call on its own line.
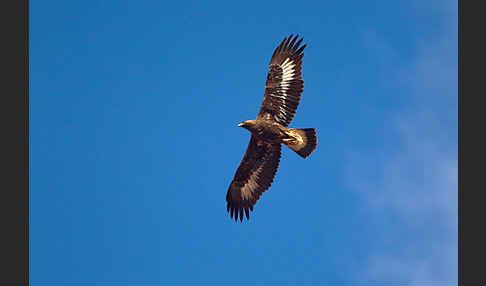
point(290, 140)
point(294, 139)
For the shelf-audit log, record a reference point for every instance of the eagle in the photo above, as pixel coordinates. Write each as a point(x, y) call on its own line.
point(283, 89)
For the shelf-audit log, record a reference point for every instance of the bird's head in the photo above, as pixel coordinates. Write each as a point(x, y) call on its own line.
point(247, 124)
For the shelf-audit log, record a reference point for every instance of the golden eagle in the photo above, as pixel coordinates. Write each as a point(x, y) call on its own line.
point(269, 130)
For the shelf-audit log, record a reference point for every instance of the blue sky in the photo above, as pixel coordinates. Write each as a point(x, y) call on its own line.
point(133, 144)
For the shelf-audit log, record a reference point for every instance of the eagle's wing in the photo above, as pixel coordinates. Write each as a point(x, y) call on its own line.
point(284, 84)
point(253, 177)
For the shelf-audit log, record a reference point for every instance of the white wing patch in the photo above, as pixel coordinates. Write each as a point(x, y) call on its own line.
point(288, 73)
point(251, 185)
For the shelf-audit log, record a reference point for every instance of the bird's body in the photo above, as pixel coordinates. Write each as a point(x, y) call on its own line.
point(266, 130)
point(269, 130)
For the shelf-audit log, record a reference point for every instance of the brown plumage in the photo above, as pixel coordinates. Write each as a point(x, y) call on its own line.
point(283, 89)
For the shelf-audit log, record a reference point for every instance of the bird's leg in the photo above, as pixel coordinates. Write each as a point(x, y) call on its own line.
point(294, 138)
point(290, 140)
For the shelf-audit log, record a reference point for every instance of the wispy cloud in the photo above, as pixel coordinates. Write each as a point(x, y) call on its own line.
point(414, 184)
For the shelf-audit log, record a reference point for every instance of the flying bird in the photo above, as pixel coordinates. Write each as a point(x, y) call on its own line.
point(283, 89)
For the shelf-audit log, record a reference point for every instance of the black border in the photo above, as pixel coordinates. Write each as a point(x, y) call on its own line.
point(471, 155)
point(14, 104)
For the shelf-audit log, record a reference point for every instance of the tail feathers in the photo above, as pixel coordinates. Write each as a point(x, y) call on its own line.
point(306, 141)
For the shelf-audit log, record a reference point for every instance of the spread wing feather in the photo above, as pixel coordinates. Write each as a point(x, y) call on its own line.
point(253, 177)
point(284, 85)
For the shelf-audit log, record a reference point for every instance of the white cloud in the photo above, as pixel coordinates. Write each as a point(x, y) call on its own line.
point(415, 184)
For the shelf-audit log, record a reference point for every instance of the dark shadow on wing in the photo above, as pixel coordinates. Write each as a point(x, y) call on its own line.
point(253, 177)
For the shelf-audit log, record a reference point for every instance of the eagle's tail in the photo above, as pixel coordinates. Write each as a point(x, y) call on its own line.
point(303, 141)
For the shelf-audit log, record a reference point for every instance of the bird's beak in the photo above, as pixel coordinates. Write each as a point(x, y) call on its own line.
point(241, 124)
